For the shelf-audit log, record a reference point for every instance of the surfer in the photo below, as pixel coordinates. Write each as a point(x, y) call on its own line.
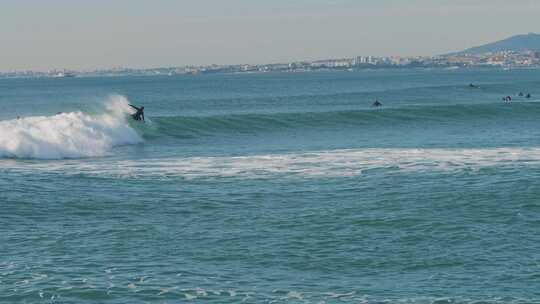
point(520, 94)
point(528, 95)
point(507, 98)
point(139, 115)
point(376, 103)
point(472, 86)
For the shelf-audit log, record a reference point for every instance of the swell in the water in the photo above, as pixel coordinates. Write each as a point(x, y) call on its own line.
point(192, 126)
point(68, 135)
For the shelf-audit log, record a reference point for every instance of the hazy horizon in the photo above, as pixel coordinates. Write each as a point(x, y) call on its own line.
point(62, 34)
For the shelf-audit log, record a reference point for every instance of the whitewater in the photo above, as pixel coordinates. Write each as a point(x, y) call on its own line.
point(313, 164)
point(68, 135)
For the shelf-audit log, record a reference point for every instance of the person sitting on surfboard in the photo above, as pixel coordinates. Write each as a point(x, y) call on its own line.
point(376, 104)
point(139, 115)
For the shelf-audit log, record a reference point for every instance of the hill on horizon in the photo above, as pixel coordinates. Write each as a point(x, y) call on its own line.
point(518, 43)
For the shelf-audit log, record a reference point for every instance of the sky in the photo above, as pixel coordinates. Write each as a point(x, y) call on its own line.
point(85, 35)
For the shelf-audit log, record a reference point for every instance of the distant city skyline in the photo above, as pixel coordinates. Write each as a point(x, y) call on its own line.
point(63, 34)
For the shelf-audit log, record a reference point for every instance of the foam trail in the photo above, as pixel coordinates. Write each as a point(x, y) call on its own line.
point(68, 135)
point(315, 164)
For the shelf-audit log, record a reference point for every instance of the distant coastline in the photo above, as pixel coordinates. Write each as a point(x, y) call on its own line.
point(519, 51)
point(504, 59)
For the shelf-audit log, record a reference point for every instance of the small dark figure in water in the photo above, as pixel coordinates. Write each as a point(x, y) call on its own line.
point(139, 115)
point(507, 98)
point(472, 86)
point(520, 94)
point(376, 103)
point(528, 95)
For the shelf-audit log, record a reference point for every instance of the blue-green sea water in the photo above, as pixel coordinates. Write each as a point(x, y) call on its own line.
point(271, 188)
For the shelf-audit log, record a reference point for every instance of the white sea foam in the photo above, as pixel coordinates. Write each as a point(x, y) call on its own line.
point(68, 135)
point(337, 163)
point(334, 163)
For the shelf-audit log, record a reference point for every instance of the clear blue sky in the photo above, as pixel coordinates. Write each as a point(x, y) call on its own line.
point(77, 34)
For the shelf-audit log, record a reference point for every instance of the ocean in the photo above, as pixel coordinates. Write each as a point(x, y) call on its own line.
point(271, 188)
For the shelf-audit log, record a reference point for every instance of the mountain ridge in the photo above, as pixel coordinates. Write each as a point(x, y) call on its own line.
point(517, 43)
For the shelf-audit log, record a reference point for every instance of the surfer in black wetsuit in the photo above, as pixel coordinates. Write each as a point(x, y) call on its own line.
point(139, 115)
point(377, 103)
point(528, 95)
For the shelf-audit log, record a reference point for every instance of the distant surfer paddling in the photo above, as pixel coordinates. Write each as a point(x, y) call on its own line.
point(376, 103)
point(139, 114)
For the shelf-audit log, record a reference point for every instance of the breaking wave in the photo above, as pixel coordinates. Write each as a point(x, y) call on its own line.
point(68, 135)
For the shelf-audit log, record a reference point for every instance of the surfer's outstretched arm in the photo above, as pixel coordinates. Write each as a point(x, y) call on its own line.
point(134, 107)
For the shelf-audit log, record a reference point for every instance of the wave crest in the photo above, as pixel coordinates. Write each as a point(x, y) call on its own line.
point(253, 123)
point(68, 135)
